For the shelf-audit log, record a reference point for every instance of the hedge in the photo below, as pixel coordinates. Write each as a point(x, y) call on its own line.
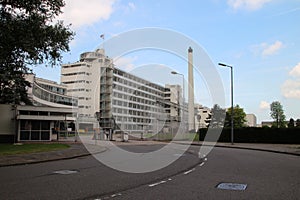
point(258, 135)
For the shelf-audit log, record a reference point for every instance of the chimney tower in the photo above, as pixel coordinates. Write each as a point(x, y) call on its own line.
point(191, 109)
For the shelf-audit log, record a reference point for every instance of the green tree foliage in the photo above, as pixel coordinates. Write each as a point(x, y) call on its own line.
point(28, 36)
point(217, 117)
point(291, 123)
point(277, 113)
point(239, 117)
point(298, 123)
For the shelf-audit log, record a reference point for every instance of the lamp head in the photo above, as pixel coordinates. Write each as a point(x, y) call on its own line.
point(221, 64)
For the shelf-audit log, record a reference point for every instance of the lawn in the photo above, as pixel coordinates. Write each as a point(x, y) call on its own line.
point(11, 149)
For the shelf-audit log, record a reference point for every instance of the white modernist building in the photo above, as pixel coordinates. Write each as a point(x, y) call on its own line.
point(45, 92)
point(116, 100)
point(82, 80)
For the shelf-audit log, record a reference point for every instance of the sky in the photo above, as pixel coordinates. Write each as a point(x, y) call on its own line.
point(259, 38)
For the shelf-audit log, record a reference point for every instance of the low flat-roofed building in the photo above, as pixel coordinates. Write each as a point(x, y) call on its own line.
point(35, 123)
point(53, 113)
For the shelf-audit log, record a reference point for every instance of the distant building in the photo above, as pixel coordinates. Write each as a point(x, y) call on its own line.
point(251, 120)
point(267, 123)
point(273, 123)
point(202, 116)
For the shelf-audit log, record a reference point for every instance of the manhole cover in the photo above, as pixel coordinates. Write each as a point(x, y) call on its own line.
point(232, 186)
point(65, 172)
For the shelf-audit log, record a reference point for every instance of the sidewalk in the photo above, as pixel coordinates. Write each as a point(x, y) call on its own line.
point(75, 150)
point(79, 150)
point(291, 149)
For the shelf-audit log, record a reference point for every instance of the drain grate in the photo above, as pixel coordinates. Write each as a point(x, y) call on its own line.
point(66, 172)
point(232, 186)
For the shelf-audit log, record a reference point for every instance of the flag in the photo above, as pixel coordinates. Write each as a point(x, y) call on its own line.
point(102, 36)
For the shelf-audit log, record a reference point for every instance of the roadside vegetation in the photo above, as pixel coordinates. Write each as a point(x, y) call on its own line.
point(12, 149)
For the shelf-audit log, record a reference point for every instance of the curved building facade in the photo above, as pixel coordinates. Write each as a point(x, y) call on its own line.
point(48, 93)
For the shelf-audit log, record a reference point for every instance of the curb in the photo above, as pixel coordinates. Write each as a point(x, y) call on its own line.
point(53, 159)
point(249, 148)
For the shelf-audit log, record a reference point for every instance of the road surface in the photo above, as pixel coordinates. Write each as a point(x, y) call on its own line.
point(266, 175)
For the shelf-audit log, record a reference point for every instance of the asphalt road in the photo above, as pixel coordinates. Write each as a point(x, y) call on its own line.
point(267, 175)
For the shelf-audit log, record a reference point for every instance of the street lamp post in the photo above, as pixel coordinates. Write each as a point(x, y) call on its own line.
point(231, 69)
point(183, 98)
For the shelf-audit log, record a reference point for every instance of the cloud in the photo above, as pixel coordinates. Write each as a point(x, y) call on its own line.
point(287, 12)
point(247, 4)
point(295, 71)
point(272, 49)
point(119, 24)
point(265, 49)
point(131, 6)
point(128, 8)
point(82, 12)
point(291, 89)
point(125, 63)
point(264, 105)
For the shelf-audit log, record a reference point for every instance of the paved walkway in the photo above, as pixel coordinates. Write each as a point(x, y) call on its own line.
point(292, 149)
point(79, 150)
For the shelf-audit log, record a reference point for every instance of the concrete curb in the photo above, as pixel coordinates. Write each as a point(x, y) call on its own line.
point(250, 148)
point(52, 159)
point(43, 161)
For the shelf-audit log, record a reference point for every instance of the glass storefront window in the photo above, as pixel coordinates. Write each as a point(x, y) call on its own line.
point(34, 130)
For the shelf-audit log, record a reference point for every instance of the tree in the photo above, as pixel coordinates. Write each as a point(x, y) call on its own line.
point(277, 113)
point(291, 123)
point(239, 117)
point(217, 117)
point(298, 123)
point(28, 36)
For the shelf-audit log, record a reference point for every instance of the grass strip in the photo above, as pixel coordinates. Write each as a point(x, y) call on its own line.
point(11, 149)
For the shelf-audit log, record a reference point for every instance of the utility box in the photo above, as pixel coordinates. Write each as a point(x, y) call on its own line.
point(125, 137)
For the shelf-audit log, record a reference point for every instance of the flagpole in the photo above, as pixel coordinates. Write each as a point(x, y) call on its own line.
point(102, 36)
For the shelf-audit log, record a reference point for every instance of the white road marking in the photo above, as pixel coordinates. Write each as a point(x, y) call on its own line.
point(115, 195)
point(205, 159)
point(158, 183)
point(187, 172)
point(169, 179)
point(65, 172)
point(201, 164)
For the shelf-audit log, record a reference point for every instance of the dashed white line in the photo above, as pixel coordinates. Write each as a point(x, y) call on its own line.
point(158, 183)
point(201, 164)
point(189, 171)
point(115, 195)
